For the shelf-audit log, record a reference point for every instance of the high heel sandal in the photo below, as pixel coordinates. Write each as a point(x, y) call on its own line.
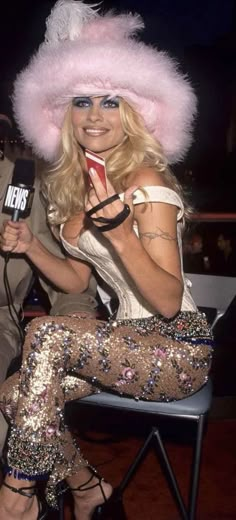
point(43, 508)
point(112, 507)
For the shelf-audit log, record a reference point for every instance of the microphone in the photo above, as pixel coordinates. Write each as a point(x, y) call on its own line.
point(18, 201)
point(19, 195)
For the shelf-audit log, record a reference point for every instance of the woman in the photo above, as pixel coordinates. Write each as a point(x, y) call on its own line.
point(91, 85)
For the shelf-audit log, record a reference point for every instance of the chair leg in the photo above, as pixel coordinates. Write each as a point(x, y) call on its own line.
point(166, 466)
point(132, 469)
point(194, 484)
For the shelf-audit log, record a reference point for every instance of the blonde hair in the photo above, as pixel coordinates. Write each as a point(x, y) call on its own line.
point(64, 185)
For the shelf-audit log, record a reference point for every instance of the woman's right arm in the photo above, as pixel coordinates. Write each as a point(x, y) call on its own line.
point(67, 274)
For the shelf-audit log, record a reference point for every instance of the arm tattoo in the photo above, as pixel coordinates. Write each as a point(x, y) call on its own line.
point(158, 234)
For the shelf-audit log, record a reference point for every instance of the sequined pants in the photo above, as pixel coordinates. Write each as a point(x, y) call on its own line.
point(68, 357)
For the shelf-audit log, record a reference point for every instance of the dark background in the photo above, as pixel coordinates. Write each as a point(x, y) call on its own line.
point(202, 35)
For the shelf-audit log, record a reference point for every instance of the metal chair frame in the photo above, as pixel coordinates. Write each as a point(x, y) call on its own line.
point(194, 408)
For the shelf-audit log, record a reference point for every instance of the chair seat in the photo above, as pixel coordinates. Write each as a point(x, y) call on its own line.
point(197, 404)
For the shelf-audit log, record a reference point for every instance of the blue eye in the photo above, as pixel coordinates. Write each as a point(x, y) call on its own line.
point(110, 102)
point(81, 102)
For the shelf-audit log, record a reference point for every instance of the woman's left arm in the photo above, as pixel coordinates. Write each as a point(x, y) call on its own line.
point(153, 259)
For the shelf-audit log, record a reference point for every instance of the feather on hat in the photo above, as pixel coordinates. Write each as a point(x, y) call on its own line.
point(85, 53)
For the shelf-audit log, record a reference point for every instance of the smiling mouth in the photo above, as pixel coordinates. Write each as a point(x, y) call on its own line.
point(95, 131)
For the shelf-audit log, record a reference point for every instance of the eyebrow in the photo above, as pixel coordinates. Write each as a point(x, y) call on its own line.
point(82, 97)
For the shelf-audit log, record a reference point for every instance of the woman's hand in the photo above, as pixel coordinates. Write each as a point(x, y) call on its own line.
point(15, 237)
point(151, 259)
point(68, 274)
point(111, 210)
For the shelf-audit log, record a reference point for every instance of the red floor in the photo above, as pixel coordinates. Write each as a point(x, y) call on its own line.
point(147, 497)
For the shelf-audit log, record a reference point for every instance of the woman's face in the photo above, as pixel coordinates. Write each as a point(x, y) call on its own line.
point(96, 123)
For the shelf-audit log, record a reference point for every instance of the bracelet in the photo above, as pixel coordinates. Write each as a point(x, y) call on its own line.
point(102, 204)
point(116, 221)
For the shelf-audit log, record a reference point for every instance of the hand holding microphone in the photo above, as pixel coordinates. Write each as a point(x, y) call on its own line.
point(15, 237)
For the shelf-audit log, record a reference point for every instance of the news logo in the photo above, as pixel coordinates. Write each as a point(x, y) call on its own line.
point(18, 199)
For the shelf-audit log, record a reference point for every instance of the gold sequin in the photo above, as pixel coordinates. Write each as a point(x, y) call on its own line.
point(70, 357)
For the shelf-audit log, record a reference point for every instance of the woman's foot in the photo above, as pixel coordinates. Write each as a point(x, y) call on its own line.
point(13, 505)
point(89, 491)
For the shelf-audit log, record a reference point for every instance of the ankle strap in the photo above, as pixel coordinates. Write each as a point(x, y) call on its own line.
point(85, 487)
point(21, 491)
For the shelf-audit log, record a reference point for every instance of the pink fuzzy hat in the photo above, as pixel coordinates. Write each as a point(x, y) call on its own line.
point(85, 53)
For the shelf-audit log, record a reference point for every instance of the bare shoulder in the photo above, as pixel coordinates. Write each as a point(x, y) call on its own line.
point(152, 211)
point(147, 177)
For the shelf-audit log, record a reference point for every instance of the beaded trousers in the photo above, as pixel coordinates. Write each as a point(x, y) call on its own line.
point(69, 357)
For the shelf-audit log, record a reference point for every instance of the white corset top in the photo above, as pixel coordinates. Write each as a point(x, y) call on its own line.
point(94, 248)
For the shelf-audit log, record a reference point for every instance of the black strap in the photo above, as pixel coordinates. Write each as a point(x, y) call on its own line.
point(85, 487)
point(102, 220)
point(102, 204)
point(116, 221)
point(21, 491)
